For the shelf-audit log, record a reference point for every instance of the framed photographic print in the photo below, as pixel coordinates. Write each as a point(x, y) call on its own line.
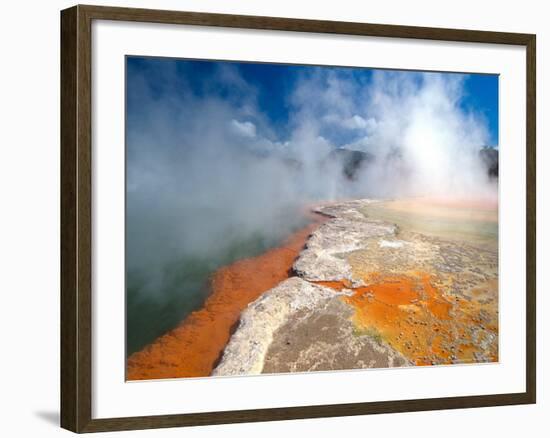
point(268, 218)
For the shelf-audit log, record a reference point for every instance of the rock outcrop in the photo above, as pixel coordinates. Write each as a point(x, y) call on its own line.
point(369, 294)
point(349, 230)
point(301, 326)
point(247, 348)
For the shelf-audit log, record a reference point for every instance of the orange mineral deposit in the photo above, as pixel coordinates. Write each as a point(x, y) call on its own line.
point(193, 348)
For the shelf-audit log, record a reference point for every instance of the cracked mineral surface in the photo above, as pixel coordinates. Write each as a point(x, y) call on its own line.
point(301, 326)
point(414, 282)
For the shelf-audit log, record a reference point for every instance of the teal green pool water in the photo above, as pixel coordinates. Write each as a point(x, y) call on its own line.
point(184, 285)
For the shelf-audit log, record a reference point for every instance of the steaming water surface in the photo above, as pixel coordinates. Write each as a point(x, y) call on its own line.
point(182, 284)
point(469, 220)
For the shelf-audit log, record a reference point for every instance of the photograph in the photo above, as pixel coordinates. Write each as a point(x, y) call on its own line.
point(274, 219)
point(292, 218)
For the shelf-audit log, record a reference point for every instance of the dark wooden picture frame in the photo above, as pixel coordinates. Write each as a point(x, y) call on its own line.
point(76, 218)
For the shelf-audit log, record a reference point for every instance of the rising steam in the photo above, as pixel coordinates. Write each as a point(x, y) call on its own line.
point(206, 166)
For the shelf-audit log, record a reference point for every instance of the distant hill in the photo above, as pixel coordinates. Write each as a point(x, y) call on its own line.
point(489, 157)
point(351, 161)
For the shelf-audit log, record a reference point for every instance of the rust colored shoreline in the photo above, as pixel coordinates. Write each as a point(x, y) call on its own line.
point(193, 348)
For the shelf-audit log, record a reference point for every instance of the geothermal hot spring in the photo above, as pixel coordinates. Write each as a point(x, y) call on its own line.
point(284, 218)
point(422, 289)
point(182, 332)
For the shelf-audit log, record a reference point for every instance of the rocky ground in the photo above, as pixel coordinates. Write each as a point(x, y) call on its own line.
point(368, 294)
point(300, 326)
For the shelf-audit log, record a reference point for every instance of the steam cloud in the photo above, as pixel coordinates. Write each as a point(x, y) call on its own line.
point(206, 165)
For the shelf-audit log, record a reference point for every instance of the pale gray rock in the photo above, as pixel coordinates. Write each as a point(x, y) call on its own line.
point(302, 326)
point(349, 230)
point(245, 352)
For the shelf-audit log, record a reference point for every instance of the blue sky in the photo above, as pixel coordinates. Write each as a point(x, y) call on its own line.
point(482, 95)
point(272, 88)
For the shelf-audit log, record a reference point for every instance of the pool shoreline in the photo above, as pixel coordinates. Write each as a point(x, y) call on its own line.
point(194, 347)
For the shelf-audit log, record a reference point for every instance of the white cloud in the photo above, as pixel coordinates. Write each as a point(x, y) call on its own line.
point(359, 123)
point(353, 123)
point(244, 129)
point(362, 144)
